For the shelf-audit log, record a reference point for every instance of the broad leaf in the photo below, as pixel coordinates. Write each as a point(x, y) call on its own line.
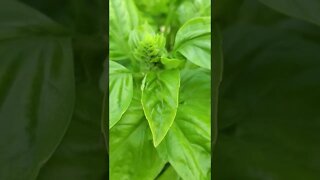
point(120, 91)
point(123, 18)
point(169, 174)
point(160, 91)
point(132, 155)
point(36, 89)
point(81, 154)
point(302, 9)
point(193, 41)
point(187, 145)
point(192, 9)
point(270, 105)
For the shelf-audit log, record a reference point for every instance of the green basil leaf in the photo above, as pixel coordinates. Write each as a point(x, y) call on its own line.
point(123, 18)
point(270, 105)
point(193, 41)
point(81, 154)
point(132, 155)
point(169, 174)
point(36, 89)
point(192, 9)
point(160, 91)
point(187, 145)
point(170, 63)
point(120, 91)
point(305, 10)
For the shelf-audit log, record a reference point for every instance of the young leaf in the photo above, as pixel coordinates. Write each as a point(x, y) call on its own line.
point(160, 91)
point(302, 9)
point(193, 41)
point(120, 91)
point(132, 155)
point(36, 89)
point(187, 144)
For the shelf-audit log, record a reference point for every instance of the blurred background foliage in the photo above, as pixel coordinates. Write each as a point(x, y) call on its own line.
point(269, 117)
point(68, 144)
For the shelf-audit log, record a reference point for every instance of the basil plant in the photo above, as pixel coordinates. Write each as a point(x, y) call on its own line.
point(159, 90)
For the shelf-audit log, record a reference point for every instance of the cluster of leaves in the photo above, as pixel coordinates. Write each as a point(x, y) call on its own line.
point(159, 89)
point(52, 55)
point(269, 101)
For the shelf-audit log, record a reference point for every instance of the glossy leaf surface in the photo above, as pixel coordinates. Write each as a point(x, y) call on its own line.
point(187, 145)
point(193, 41)
point(160, 92)
point(132, 155)
point(123, 18)
point(120, 91)
point(36, 89)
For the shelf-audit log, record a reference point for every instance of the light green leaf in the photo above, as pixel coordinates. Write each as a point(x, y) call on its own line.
point(193, 41)
point(169, 174)
point(187, 145)
point(132, 155)
point(36, 90)
point(306, 10)
point(123, 18)
point(160, 91)
point(120, 91)
point(192, 9)
point(171, 63)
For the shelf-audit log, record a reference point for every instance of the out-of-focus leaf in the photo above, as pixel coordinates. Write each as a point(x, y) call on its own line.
point(302, 9)
point(81, 154)
point(169, 174)
point(269, 92)
point(123, 19)
point(192, 9)
point(120, 91)
point(170, 63)
point(160, 92)
point(132, 154)
point(187, 145)
point(36, 89)
point(217, 56)
point(193, 41)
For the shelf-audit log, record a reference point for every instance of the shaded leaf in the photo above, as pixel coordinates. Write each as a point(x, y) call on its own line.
point(306, 10)
point(36, 82)
point(81, 154)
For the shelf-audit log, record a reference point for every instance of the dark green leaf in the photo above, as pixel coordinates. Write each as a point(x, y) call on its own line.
point(81, 154)
point(302, 9)
point(36, 89)
point(160, 91)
